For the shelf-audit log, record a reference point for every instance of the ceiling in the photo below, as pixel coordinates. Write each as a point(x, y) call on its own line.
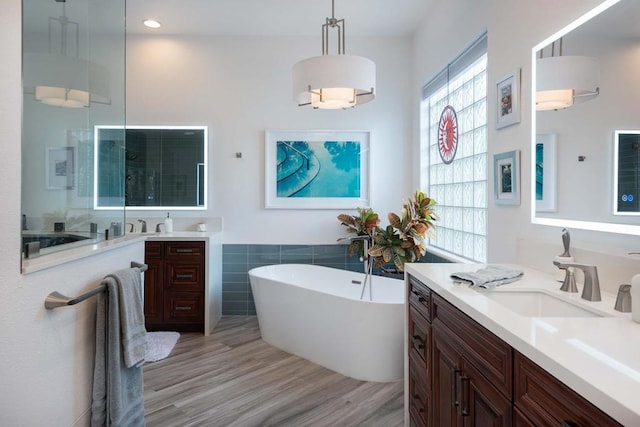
point(235, 17)
point(276, 17)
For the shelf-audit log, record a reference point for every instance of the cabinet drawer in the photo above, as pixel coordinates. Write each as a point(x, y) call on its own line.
point(184, 307)
point(184, 277)
point(546, 401)
point(420, 297)
point(419, 399)
point(184, 251)
point(419, 338)
point(153, 251)
point(489, 354)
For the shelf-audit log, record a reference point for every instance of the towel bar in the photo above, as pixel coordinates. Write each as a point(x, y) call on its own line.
point(56, 299)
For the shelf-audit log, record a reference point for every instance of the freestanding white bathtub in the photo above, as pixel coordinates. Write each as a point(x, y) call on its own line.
point(315, 312)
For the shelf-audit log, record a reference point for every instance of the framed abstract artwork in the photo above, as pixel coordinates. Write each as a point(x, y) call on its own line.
point(508, 99)
point(546, 172)
point(506, 170)
point(60, 168)
point(321, 169)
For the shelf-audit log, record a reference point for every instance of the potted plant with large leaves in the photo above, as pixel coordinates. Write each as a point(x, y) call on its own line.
point(363, 224)
point(403, 240)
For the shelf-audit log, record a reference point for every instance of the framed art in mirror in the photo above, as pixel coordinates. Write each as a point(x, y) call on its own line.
point(508, 99)
point(626, 172)
point(316, 169)
point(60, 168)
point(506, 174)
point(546, 168)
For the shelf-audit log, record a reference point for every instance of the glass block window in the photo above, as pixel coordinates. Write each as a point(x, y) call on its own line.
point(459, 187)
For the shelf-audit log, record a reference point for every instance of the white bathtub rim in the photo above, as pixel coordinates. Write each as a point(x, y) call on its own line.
point(374, 280)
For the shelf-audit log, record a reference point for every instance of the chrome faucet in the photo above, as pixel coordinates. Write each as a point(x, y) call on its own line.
point(368, 265)
point(158, 229)
point(365, 240)
point(144, 225)
point(591, 288)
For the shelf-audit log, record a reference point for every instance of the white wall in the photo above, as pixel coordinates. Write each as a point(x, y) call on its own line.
point(241, 86)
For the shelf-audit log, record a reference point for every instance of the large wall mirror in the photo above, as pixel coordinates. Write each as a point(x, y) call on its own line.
point(150, 167)
point(73, 73)
point(573, 149)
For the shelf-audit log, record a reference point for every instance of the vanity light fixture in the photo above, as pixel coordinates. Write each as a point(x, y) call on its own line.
point(563, 81)
point(151, 23)
point(60, 77)
point(334, 81)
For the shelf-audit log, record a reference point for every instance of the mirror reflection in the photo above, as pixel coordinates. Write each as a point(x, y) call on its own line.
point(73, 75)
point(583, 134)
point(152, 167)
point(627, 173)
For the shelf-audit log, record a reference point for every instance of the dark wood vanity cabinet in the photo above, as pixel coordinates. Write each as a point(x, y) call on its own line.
point(174, 285)
point(419, 353)
point(460, 374)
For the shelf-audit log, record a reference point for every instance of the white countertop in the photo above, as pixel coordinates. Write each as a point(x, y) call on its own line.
point(598, 357)
point(74, 252)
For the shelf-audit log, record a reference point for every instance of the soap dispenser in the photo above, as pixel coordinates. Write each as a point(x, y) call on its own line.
point(168, 224)
point(635, 298)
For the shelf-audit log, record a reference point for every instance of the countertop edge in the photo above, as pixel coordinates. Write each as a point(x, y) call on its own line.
point(55, 259)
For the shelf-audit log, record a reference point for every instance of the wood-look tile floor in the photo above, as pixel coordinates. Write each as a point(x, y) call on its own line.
point(234, 378)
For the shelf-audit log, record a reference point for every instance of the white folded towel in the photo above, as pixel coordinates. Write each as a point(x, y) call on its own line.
point(489, 277)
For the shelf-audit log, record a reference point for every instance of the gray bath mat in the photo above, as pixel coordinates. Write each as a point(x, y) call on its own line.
point(159, 345)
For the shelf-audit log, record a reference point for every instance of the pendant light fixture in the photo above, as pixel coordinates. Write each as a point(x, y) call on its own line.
point(334, 81)
point(60, 77)
point(562, 81)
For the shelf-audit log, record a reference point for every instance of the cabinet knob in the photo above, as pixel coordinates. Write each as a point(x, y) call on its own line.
point(184, 276)
point(418, 342)
point(183, 308)
point(420, 297)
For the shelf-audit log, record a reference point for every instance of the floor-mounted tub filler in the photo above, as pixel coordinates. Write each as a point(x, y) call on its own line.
point(316, 312)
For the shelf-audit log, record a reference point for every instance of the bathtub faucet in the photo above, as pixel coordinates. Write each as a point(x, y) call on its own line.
point(365, 240)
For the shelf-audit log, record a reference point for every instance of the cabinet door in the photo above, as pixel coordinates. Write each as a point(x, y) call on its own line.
point(183, 307)
point(446, 373)
point(537, 396)
point(182, 276)
point(481, 404)
point(153, 306)
point(153, 283)
point(419, 398)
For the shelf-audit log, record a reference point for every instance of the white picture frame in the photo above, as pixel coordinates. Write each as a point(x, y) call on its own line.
point(317, 169)
point(506, 173)
point(60, 168)
point(508, 99)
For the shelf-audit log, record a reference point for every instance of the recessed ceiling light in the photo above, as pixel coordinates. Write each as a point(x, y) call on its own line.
point(151, 23)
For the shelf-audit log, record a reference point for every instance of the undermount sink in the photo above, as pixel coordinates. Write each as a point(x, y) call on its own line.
point(540, 304)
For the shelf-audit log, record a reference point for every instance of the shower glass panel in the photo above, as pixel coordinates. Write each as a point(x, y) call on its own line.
point(73, 75)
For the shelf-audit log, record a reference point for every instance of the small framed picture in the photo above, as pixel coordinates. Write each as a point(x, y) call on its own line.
point(545, 172)
point(506, 174)
point(508, 100)
point(60, 168)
